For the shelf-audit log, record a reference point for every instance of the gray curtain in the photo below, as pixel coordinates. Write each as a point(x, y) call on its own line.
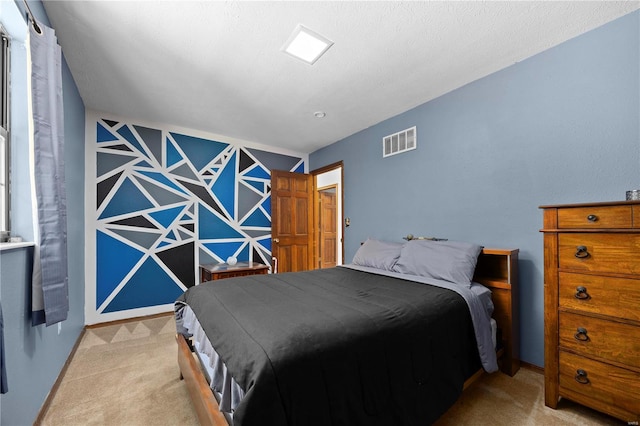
point(50, 294)
point(4, 387)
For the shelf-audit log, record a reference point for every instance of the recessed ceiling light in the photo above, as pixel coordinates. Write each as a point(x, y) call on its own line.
point(306, 45)
point(320, 114)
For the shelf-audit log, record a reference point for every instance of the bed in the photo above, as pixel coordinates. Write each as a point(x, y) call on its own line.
point(384, 340)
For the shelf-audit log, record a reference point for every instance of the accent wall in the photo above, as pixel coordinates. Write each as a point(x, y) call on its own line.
point(164, 201)
point(560, 127)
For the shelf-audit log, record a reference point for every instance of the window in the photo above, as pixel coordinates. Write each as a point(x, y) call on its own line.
point(5, 159)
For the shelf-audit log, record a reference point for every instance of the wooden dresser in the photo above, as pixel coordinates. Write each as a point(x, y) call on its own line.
point(592, 306)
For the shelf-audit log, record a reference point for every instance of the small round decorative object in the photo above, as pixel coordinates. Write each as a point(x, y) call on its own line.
point(231, 261)
point(633, 195)
point(409, 237)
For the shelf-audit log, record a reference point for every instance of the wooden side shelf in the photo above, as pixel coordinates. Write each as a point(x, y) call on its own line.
point(498, 270)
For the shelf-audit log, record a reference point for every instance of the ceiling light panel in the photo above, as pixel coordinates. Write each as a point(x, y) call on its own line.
point(306, 45)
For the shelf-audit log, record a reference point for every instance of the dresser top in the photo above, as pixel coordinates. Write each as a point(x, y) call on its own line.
point(598, 204)
point(240, 266)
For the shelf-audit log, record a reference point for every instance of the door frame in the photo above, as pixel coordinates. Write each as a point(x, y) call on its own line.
point(340, 213)
point(319, 224)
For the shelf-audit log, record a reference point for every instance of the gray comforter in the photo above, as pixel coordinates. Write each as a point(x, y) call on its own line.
point(340, 346)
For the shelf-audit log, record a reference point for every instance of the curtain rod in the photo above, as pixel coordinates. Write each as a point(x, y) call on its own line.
point(31, 17)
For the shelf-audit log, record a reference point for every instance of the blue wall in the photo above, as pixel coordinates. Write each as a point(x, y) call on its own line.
point(36, 355)
point(560, 127)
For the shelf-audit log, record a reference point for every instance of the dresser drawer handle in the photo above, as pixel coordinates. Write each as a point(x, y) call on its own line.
point(581, 293)
point(592, 218)
point(581, 377)
point(581, 335)
point(582, 252)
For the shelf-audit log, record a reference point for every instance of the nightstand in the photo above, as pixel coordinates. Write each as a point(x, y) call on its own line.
point(218, 271)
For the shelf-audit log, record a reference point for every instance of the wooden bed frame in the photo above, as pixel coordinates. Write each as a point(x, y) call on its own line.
point(497, 269)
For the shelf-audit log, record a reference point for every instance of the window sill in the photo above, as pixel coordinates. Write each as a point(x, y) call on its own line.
point(11, 246)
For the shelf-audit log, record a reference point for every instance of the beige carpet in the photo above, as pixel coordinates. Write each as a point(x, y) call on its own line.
point(127, 374)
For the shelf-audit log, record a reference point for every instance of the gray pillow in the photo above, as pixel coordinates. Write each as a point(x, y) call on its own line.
point(451, 261)
point(377, 254)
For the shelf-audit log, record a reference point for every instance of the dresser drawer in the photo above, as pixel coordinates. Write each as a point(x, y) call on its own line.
point(595, 217)
point(610, 389)
point(616, 297)
point(618, 253)
point(609, 340)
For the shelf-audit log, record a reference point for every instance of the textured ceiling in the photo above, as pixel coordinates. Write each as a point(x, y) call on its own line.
point(217, 66)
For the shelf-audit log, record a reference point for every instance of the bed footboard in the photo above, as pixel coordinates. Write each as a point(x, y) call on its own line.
point(201, 395)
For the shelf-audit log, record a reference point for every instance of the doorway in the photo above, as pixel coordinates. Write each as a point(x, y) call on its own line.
point(329, 199)
point(327, 227)
point(306, 219)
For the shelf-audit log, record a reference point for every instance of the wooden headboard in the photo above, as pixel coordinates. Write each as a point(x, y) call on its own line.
point(497, 269)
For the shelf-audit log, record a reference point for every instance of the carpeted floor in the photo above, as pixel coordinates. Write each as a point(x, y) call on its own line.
point(127, 374)
point(124, 374)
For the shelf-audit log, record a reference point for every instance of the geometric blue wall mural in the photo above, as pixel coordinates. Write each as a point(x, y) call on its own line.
point(166, 202)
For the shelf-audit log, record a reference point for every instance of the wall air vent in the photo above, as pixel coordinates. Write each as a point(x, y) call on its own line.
point(396, 143)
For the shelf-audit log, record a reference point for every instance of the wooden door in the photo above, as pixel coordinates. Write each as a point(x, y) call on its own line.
point(328, 226)
point(329, 176)
point(291, 221)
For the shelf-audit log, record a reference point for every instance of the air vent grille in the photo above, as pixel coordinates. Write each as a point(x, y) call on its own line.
point(396, 143)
